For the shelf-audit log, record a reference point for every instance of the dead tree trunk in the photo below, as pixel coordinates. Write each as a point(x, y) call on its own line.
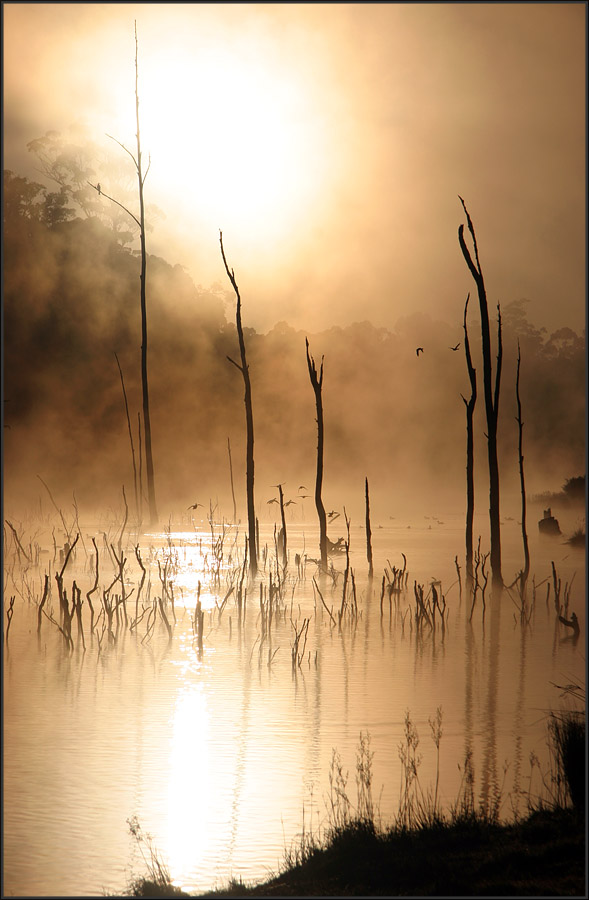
point(470, 405)
point(130, 437)
point(520, 424)
point(283, 519)
point(141, 176)
point(317, 383)
point(249, 420)
point(144, 380)
point(231, 476)
point(368, 533)
point(491, 397)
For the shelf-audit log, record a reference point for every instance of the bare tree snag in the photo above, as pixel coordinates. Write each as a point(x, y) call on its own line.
point(283, 519)
point(491, 397)
point(231, 475)
point(526, 568)
point(317, 383)
point(130, 436)
point(141, 176)
point(249, 419)
point(368, 533)
point(144, 381)
point(470, 405)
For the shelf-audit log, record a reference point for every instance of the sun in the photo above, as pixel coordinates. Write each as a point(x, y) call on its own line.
point(234, 142)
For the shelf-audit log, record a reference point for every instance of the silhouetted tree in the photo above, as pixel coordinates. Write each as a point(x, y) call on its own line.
point(249, 418)
point(574, 489)
point(368, 532)
point(491, 397)
point(470, 405)
point(283, 520)
point(141, 176)
point(317, 383)
point(526, 569)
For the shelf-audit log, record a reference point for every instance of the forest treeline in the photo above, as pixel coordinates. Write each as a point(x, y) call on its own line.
point(70, 303)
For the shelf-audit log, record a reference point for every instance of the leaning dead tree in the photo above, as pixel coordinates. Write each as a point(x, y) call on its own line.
point(249, 420)
point(470, 405)
point(526, 569)
point(491, 396)
point(317, 383)
point(141, 176)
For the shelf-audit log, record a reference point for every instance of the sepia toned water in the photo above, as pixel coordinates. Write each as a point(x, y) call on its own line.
point(224, 756)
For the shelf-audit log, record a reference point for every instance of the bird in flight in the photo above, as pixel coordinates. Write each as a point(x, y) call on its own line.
point(333, 514)
point(456, 347)
point(273, 500)
point(418, 351)
point(303, 487)
point(195, 505)
point(288, 502)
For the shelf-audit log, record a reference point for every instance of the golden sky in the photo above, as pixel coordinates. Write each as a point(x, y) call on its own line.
point(330, 142)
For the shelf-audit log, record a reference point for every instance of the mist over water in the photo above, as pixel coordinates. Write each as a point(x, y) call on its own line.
point(224, 755)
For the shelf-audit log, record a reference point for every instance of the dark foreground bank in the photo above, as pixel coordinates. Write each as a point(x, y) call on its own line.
point(542, 856)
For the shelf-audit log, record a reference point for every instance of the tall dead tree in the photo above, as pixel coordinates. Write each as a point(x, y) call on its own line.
point(283, 530)
point(526, 569)
point(368, 531)
point(249, 420)
point(491, 397)
point(317, 383)
point(470, 405)
point(141, 176)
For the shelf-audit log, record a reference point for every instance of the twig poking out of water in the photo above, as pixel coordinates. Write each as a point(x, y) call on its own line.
point(9, 614)
point(199, 623)
point(19, 546)
point(330, 614)
point(94, 589)
point(42, 604)
point(298, 655)
point(143, 574)
point(459, 578)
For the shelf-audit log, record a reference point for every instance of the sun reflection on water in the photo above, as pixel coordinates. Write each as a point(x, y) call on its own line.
point(190, 788)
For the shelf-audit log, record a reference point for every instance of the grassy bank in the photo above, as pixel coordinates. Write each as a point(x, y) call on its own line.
point(541, 856)
point(426, 853)
point(544, 855)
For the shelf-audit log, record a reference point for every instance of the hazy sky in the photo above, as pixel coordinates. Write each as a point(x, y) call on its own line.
point(330, 142)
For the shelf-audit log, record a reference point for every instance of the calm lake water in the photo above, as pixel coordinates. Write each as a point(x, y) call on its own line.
point(224, 756)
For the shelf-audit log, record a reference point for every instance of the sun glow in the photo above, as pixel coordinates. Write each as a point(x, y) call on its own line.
point(235, 142)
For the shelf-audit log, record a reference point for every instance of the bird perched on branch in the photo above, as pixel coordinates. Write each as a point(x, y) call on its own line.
point(98, 188)
point(456, 347)
point(418, 351)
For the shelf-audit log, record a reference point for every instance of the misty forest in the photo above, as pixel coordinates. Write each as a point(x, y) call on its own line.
point(245, 571)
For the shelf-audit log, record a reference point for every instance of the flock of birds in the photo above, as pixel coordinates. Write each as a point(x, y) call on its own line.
point(420, 349)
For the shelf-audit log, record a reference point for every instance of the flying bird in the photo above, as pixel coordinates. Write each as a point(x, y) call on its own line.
point(288, 502)
point(333, 514)
point(303, 487)
point(456, 347)
point(273, 500)
point(418, 351)
point(195, 505)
